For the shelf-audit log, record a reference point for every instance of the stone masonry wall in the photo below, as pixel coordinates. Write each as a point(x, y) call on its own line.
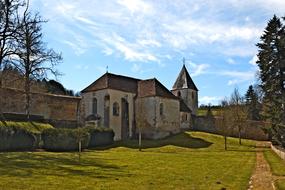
point(251, 130)
point(54, 108)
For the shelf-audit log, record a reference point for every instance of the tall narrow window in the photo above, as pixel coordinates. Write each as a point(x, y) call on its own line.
point(179, 94)
point(116, 109)
point(161, 108)
point(193, 95)
point(94, 106)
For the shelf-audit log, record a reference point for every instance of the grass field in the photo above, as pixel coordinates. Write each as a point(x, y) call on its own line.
point(186, 161)
point(203, 112)
point(277, 166)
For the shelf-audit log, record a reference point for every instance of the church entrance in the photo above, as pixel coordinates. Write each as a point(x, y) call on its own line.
point(124, 119)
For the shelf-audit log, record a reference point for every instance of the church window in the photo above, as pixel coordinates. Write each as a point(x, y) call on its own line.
point(193, 95)
point(94, 106)
point(184, 117)
point(116, 109)
point(161, 109)
point(179, 94)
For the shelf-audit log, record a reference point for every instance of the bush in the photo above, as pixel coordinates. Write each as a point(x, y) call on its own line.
point(100, 136)
point(13, 138)
point(65, 139)
point(20, 135)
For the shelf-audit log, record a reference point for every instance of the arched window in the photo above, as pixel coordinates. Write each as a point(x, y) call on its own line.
point(116, 109)
point(179, 94)
point(94, 106)
point(161, 108)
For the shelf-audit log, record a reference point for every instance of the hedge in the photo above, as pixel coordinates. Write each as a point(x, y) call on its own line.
point(20, 135)
point(100, 136)
point(62, 139)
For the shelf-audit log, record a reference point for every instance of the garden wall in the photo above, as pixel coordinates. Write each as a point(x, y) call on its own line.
point(57, 109)
point(252, 130)
point(279, 151)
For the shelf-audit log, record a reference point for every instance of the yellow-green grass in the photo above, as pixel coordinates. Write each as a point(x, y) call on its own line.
point(277, 165)
point(280, 184)
point(203, 112)
point(190, 160)
point(33, 127)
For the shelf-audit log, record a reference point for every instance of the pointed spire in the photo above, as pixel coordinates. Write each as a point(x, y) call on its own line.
point(184, 80)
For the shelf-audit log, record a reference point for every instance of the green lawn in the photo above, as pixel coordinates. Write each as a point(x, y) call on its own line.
point(186, 161)
point(277, 166)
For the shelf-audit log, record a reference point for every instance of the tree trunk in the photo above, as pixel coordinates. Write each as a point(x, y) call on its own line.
point(140, 140)
point(225, 137)
point(28, 97)
point(239, 135)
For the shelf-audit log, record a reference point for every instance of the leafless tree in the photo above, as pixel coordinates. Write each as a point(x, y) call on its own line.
point(33, 59)
point(239, 112)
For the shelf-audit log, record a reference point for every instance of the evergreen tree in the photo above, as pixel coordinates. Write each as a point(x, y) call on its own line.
point(271, 65)
point(252, 103)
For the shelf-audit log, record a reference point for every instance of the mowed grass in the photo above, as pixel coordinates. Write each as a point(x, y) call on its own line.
point(191, 160)
point(277, 166)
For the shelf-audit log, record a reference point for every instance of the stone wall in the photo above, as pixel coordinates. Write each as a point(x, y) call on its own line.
point(155, 124)
point(115, 121)
point(251, 130)
point(279, 151)
point(54, 108)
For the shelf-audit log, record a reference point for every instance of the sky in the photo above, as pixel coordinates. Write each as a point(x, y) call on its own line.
point(149, 38)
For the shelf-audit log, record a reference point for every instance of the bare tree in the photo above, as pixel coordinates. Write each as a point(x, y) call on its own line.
point(224, 120)
point(34, 60)
point(8, 27)
point(239, 112)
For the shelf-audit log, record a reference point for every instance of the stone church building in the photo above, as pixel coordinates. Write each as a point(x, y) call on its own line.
point(128, 105)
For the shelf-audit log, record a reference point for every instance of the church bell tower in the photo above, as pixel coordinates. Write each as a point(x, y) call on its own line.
point(185, 88)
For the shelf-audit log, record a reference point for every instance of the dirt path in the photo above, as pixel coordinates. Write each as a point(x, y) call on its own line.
point(262, 178)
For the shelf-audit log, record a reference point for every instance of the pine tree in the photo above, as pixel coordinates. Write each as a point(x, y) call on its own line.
point(271, 65)
point(252, 104)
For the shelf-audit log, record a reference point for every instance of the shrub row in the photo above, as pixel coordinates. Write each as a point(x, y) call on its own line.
point(30, 135)
point(60, 139)
point(20, 135)
point(65, 139)
point(100, 136)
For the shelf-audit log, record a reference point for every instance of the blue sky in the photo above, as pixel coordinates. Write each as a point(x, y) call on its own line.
point(147, 39)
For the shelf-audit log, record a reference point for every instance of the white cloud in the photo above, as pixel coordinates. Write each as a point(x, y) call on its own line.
point(197, 69)
point(238, 76)
point(231, 61)
point(136, 6)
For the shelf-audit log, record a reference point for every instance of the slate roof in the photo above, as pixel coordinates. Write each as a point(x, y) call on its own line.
point(184, 80)
point(113, 81)
point(152, 87)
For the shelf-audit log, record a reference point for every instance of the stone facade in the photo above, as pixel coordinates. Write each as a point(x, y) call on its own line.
point(105, 100)
point(157, 117)
point(129, 105)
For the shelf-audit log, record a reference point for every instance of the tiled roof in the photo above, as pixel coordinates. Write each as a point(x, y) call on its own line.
point(112, 81)
point(152, 87)
point(184, 80)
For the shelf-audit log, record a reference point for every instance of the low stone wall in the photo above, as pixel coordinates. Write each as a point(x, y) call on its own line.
point(279, 151)
point(251, 130)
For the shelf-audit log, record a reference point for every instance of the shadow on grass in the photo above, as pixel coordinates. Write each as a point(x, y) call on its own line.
point(184, 140)
point(27, 164)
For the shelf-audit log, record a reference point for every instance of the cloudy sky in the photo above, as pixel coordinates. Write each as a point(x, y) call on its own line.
point(147, 39)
